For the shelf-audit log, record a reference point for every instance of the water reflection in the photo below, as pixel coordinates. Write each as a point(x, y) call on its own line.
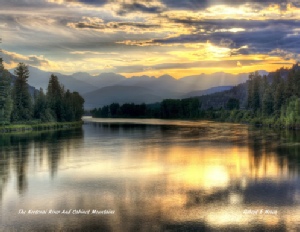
point(17, 149)
point(174, 176)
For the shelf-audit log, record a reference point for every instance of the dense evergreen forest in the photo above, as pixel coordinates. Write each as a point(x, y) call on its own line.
point(168, 109)
point(272, 100)
point(17, 105)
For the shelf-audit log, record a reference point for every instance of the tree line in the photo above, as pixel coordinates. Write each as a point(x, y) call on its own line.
point(167, 109)
point(275, 100)
point(272, 100)
point(17, 105)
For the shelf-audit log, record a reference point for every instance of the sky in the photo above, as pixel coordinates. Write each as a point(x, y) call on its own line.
point(138, 37)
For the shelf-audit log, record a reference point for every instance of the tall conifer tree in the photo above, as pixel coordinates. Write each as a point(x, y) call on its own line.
point(5, 95)
point(22, 102)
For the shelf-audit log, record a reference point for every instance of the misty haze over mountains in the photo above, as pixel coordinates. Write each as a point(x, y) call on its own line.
point(107, 88)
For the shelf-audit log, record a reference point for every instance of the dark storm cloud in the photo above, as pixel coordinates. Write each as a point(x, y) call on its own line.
point(91, 2)
point(134, 7)
point(211, 25)
point(29, 4)
point(259, 36)
point(115, 25)
point(202, 4)
point(257, 42)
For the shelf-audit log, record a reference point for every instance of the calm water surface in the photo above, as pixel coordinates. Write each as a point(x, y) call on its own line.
point(151, 175)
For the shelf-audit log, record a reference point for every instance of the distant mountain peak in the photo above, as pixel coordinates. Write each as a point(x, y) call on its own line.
point(109, 73)
point(166, 77)
point(81, 74)
point(143, 76)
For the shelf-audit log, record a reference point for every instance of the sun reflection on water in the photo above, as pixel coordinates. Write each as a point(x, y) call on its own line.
point(191, 174)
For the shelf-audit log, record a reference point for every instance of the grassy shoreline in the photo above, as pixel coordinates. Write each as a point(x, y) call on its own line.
point(39, 126)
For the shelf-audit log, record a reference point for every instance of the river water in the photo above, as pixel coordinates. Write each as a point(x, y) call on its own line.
point(150, 175)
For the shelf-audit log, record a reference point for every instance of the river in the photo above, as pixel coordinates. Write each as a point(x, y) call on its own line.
point(150, 175)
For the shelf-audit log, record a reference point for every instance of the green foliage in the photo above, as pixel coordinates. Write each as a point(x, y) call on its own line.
point(63, 106)
point(73, 106)
point(22, 102)
point(17, 106)
point(254, 91)
point(267, 102)
point(5, 95)
point(291, 116)
point(272, 101)
point(168, 109)
point(279, 96)
point(55, 96)
point(115, 110)
point(232, 104)
point(289, 87)
point(185, 108)
point(280, 103)
point(190, 108)
point(41, 110)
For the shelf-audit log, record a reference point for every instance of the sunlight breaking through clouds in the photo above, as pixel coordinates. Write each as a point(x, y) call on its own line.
point(64, 31)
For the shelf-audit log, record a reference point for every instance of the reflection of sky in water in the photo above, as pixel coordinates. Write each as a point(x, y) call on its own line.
point(183, 175)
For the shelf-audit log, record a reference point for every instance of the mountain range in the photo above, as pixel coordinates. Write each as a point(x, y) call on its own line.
point(107, 88)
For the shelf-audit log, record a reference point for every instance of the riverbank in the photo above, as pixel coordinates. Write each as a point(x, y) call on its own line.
point(39, 127)
point(247, 117)
point(229, 117)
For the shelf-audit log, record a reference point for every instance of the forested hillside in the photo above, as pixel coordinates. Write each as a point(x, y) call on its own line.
point(219, 100)
point(272, 100)
point(18, 105)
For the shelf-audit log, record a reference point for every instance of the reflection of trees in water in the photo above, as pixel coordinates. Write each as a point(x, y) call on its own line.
point(21, 166)
point(275, 153)
point(289, 148)
point(4, 167)
point(281, 146)
point(14, 155)
point(17, 148)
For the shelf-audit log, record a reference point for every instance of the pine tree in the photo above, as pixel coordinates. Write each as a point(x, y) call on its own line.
point(77, 106)
point(41, 108)
point(279, 96)
point(296, 84)
point(5, 95)
point(256, 92)
point(22, 102)
point(68, 106)
point(289, 86)
point(250, 91)
point(233, 103)
point(267, 102)
point(55, 96)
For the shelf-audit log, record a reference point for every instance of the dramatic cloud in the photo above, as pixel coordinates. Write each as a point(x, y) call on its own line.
point(202, 4)
point(153, 37)
point(136, 6)
point(242, 36)
point(11, 59)
point(88, 2)
point(99, 24)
